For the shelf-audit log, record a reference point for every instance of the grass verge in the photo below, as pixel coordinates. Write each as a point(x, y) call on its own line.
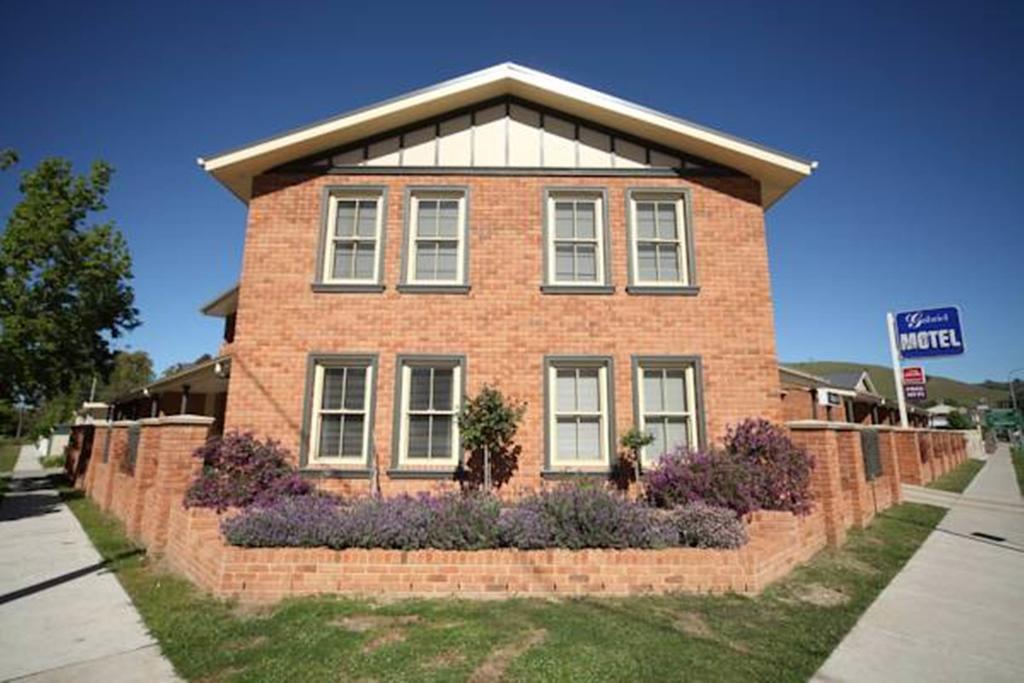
point(784, 634)
point(8, 457)
point(958, 479)
point(1017, 455)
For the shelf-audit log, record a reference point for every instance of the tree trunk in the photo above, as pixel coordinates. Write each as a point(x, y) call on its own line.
point(487, 469)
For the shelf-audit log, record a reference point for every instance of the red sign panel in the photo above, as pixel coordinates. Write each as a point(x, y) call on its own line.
point(913, 375)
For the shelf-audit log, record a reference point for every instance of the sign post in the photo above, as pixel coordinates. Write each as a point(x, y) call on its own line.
point(897, 373)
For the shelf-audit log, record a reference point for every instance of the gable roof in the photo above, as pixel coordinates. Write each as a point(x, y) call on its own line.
point(778, 172)
point(853, 381)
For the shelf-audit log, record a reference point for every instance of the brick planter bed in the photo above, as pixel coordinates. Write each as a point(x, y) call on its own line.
point(778, 542)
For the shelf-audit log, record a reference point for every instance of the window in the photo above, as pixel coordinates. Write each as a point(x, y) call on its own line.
point(430, 396)
point(667, 406)
point(341, 419)
point(436, 241)
point(353, 237)
point(576, 240)
point(659, 247)
point(579, 417)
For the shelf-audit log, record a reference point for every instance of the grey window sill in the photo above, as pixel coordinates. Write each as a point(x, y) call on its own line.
point(409, 473)
point(577, 289)
point(334, 473)
point(328, 288)
point(573, 474)
point(681, 290)
point(433, 289)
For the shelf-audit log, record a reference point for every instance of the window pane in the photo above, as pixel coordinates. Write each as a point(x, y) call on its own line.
point(352, 437)
point(675, 434)
point(589, 440)
point(419, 432)
point(355, 389)
point(365, 254)
point(644, 220)
point(667, 221)
point(447, 259)
point(426, 261)
point(367, 219)
point(668, 261)
point(652, 391)
point(344, 225)
point(441, 441)
point(563, 220)
point(585, 225)
point(443, 382)
point(675, 391)
point(342, 269)
point(565, 440)
point(646, 265)
point(419, 389)
point(449, 215)
point(656, 448)
point(334, 380)
point(330, 436)
point(587, 388)
point(586, 263)
point(426, 221)
point(564, 260)
point(565, 391)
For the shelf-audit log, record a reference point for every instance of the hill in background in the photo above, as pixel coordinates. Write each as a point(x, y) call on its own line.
point(940, 389)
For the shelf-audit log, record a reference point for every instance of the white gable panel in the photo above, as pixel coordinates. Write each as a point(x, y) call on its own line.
point(559, 143)
point(595, 149)
point(455, 143)
point(523, 137)
point(489, 137)
point(420, 147)
point(384, 153)
point(629, 155)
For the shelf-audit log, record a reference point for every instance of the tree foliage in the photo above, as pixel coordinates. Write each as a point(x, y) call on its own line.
point(64, 282)
point(132, 369)
point(487, 424)
point(958, 420)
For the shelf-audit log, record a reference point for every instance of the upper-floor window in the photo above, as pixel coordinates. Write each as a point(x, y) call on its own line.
point(576, 240)
point(659, 242)
point(436, 240)
point(353, 239)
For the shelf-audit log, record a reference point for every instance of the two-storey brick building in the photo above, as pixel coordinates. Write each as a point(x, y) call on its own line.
point(601, 261)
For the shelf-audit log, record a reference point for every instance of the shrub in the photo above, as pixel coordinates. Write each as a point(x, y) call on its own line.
point(760, 468)
point(304, 521)
point(780, 470)
point(240, 470)
point(487, 426)
point(700, 525)
point(584, 517)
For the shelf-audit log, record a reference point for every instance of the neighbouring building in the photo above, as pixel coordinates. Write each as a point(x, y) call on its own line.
point(841, 397)
point(604, 262)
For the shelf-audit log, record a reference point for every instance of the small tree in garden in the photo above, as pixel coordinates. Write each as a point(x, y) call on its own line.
point(488, 423)
point(634, 441)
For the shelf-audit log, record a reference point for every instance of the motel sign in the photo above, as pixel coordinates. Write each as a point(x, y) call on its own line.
point(929, 333)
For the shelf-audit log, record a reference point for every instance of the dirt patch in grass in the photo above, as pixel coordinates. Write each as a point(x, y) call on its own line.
point(368, 622)
point(246, 644)
point(820, 596)
point(444, 660)
point(493, 668)
point(389, 637)
point(691, 624)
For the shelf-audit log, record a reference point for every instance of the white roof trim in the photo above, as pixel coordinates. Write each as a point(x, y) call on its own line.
point(777, 170)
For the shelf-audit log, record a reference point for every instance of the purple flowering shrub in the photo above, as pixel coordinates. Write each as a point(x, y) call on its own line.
point(239, 470)
point(303, 521)
point(447, 522)
point(700, 525)
point(760, 468)
point(583, 517)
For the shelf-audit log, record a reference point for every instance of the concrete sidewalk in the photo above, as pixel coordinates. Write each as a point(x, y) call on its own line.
point(62, 616)
point(954, 612)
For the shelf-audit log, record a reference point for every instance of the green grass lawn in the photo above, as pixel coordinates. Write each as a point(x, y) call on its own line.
point(784, 634)
point(8, 456)
point(958, 479)
point(1017, 455)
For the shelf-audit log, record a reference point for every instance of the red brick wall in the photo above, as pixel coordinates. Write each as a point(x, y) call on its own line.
point(504, 326)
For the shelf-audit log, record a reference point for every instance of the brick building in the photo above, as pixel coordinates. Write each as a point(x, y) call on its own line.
point(603, 262)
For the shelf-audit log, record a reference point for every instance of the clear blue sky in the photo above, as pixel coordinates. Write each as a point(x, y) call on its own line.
point(914, 111)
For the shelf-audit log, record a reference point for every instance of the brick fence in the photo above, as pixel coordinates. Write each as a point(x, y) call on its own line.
point(139, 472)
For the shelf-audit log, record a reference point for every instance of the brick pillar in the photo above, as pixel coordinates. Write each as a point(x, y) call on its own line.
point(144, 474)
point(909, 454)
point(99, 444)
point(118, 451)
point(74, 450)
point(927, 448)
point(826, 480)
point(851, 465)
point(175, 467)
point(887, 448)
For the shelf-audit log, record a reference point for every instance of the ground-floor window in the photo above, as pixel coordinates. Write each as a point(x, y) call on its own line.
point(579, 412)
point(666, 405)
point(340, 430)
point(429, 398)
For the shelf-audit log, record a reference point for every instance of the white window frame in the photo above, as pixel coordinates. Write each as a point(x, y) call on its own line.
point(415, 196)
point(405, 369)
point(691, 414)
point(604, 413)
point(331, 240)
point(317, 413)
point(681, 241)
point(598, 198)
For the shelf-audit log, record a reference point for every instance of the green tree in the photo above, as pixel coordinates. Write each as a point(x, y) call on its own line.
point(487, 424)
point(132, 369)
point(958, 420)
point(64, 282)
point(634, 441)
